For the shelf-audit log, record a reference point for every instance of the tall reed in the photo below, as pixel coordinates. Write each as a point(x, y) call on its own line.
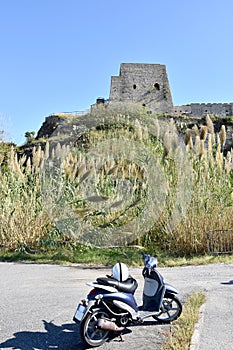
point(30, 208)
point(211, 206)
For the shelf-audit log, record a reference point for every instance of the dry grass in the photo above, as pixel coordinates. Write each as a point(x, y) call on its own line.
point(28, 210)
point(22, 219)
point(212, 195)
point(182, 331)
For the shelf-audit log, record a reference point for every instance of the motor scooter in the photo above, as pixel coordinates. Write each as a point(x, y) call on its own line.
point(111, 306)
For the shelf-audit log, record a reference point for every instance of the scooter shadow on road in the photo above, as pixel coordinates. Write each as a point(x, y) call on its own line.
point(228, 283)
point(63, 337)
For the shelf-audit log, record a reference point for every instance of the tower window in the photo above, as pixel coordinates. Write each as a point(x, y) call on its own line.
point(156, 86)
point(134, 86)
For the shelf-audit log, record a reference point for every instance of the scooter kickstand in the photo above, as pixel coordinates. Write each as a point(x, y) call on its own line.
point(121, 338)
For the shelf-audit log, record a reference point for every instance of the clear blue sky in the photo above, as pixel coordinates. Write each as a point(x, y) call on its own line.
point(59, 55)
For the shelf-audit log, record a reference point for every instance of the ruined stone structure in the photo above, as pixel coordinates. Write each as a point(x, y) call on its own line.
point(201, 109)
point(148, 84)
point(142, 83)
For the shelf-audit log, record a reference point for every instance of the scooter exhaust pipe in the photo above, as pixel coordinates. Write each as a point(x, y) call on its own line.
point(107, 325)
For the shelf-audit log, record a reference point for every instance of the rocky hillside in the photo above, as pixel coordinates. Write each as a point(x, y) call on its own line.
point(71, 126)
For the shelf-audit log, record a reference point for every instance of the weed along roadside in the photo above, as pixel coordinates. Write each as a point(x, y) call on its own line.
point(181, 334)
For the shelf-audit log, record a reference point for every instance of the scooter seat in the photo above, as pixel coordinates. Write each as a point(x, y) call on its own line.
point(128, 286)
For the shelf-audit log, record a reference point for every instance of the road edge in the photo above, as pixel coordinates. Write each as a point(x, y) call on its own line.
point(197, 329)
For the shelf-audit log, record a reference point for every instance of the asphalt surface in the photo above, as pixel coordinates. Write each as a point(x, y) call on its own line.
point(37, 304)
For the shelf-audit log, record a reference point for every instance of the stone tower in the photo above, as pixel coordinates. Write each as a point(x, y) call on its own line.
point(142, 83)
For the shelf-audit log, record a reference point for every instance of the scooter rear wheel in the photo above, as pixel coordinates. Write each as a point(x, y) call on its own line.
point(91, 334)
point(170, 310)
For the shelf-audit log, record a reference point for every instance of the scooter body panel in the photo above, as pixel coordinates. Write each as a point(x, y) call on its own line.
point(126, 298)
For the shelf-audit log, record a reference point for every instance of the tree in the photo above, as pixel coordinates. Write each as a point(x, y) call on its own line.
point(30, 136)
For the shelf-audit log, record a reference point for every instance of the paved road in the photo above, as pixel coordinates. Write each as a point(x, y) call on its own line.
point(37, 303)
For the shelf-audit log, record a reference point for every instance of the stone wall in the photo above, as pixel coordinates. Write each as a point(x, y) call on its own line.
point(201, 109)
point(142, 83)
point(148, 84)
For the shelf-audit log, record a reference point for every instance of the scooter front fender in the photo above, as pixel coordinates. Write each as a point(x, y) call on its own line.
point(170, 289)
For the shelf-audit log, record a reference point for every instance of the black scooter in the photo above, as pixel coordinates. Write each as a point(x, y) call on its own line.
point(111, 306)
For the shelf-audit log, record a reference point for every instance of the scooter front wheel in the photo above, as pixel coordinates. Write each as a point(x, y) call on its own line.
point(90, 332)
point(170, 310)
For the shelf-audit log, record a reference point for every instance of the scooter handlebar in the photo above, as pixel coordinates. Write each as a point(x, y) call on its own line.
point(149, 261)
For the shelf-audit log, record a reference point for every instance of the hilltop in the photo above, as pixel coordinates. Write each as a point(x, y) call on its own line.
point(70, 127)
point(139, 89)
